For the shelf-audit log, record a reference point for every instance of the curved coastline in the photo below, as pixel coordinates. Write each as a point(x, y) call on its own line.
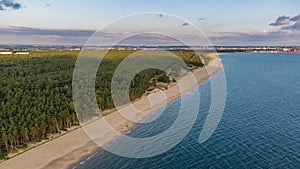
point(75, 146)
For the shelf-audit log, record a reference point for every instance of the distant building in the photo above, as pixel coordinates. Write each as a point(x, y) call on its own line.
point(21, 53)
point(75, 49)
point(6, 53)
point(285, 49)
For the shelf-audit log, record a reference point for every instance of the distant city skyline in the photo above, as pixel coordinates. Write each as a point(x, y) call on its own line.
point(232, 22)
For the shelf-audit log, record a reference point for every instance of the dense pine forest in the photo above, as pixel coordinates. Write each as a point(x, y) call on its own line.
point(36, 93)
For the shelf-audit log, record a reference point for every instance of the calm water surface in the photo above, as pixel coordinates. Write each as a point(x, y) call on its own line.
point(260, 127)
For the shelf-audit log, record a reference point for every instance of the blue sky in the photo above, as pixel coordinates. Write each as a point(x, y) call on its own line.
point(225, 22)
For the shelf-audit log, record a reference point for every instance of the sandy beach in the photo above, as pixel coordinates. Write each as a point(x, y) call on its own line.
point(71, 148)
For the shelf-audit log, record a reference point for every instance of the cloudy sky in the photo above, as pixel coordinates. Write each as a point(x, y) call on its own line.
point(230, 22)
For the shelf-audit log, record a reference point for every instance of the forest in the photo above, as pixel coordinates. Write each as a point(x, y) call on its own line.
point(36, 92)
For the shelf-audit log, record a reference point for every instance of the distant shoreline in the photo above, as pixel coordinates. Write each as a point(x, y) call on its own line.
point(73, 147)
point(23, 49)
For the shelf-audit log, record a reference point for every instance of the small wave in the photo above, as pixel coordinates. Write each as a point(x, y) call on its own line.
point(84, 161)
point(129, 131)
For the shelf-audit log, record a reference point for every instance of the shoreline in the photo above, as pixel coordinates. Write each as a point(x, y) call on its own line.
point(72, 148)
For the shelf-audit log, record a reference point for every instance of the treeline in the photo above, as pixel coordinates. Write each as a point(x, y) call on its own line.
point(36, 92)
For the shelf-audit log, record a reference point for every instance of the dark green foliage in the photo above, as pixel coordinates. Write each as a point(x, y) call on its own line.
point(164, 79)
point(190, 58)
point(35, 97)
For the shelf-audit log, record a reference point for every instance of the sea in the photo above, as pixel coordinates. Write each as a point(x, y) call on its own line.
point(259, 128)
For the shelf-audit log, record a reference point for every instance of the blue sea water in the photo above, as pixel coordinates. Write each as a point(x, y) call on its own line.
point(260, 127)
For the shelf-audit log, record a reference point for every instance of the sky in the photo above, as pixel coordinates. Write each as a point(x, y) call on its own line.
point(224, 22)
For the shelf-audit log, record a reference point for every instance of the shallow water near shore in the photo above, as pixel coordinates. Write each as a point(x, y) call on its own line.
point(259, 128)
